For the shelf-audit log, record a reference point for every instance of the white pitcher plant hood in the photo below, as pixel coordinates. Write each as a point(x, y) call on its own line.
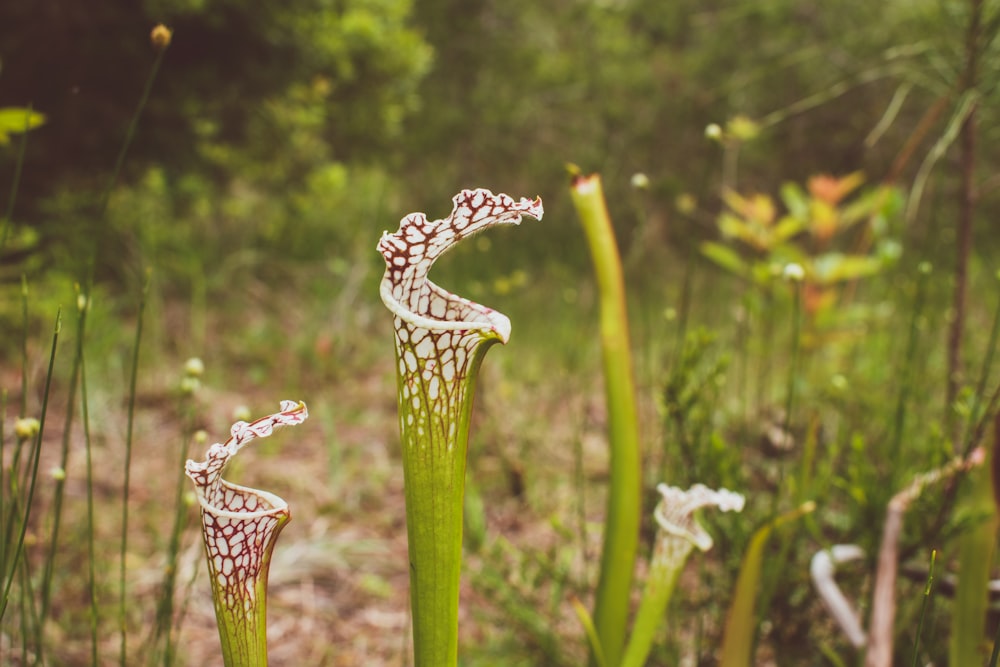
point(240, 526)
point(441, 339)
point(674, 513)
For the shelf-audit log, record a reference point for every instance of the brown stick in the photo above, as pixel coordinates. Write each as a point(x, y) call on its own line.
point(880, 627)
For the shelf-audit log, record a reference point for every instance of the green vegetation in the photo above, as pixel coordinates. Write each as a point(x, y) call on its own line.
point(800, 196)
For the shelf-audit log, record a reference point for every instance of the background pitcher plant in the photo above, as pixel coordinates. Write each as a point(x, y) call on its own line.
point(240, 526)
point(441, 339)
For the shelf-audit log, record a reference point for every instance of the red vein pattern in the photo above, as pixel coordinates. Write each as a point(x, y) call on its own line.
point(437, 331)
point(441, 339)
point(240, 526)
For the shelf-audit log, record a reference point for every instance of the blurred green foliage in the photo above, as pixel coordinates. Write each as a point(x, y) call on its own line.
point(272, 109)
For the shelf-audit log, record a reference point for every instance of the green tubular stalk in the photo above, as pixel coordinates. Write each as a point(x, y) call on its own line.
point(621, 530)
point(678, 534)
point(441, 340)
point(240, 527)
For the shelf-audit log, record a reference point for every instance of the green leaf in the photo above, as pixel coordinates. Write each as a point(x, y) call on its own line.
point(725, 257)
point(14, 120)
point(795, 200)
point(835, 267)
point(787, 227)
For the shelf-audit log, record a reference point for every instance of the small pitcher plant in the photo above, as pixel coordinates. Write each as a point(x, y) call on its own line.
point(240, 527)
point(678, 533)
point(441, 339)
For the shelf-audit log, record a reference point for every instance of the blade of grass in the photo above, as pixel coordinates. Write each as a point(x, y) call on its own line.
point(60, 484)
point(588, 627)
point(133, 378)
point(6, 222)
point(741, 621)
point(923, 608)
point(91, 551)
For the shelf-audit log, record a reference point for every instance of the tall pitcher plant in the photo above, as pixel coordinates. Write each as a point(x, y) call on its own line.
point(441, 339)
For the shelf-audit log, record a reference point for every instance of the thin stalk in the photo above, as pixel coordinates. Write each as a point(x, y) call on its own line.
point(3, 486)
point(165, 606)
point(119, 162)
point(909, 358)
point(923, 608)
point(621, 531)
point(133, 378)
point(60, 484)
point(24, 347)
point(793, 369)
point(91, 551)
point(7, 220)
point(968, 441)
point(35, 458)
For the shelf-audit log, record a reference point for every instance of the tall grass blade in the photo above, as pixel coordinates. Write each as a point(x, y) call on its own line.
point(741, 619)
point(126, 484)
point(923, 608)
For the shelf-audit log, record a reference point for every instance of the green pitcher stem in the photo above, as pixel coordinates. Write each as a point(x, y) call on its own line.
point(435, 435)
point(441, 340)
point(240, 527)
point(621, 531)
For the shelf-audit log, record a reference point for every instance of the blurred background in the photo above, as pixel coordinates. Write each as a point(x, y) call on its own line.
point(855, 139)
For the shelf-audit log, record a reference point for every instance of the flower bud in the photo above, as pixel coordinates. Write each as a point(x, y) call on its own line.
point(26, 428)
point(160, 37)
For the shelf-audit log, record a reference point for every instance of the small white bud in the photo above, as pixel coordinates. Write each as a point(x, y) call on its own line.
point(794, 272)
point(713, 132)
point(640, 181)
point(194, 367)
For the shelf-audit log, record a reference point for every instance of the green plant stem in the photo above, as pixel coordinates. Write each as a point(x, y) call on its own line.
point(434, 477)
point(969, 440)
point(123, 551)
point(661, 581)
point(621, 531)
point(35, 458)
point(60, 485)
point(24, 347)
point(91, 550)
point(165, 605)
point(119, 162)
point(22, 146)
point(923, 608)
point(909, 359)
